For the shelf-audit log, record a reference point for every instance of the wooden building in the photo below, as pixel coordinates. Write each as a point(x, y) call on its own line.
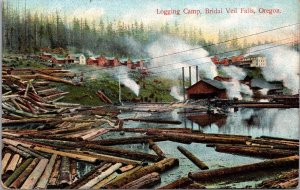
point(207, 88)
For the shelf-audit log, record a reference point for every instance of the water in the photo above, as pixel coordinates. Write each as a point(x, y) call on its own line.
point(254, 122)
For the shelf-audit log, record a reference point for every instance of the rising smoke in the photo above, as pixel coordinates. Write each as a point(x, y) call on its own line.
point(175, 93)
point(282, 65)
point(234, 88)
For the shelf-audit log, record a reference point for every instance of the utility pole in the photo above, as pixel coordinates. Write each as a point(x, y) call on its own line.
point(183, 87)
point(190, 76)
point(197, 73)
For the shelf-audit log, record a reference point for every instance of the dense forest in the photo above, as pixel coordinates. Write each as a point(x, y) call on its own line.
point(25, 31)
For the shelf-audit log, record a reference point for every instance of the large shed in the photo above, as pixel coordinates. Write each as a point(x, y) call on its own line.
point(207, 88)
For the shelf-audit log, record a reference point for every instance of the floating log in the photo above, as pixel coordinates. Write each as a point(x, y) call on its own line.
point(180, 183)
point(4, 162)
point(128, 140)
point(105, 181)
point(156, 149)
point(12, 164)
point(256, 151)
point(65, 174)
point(196, 186)
point(158, 130)
point(153, 121)
point(193, 158)
point(288, 162)
point(42, 183)
point(277, 182)
point(125, 168)
point(52, 182)
point(73, 169)
point(84, 179)
point(18, 172)
point(68, 154)
point(144, 182)
point(93, 134)
point(19, 181)
point(121, 152)
point(35, 175)
point(293, 183)
point(159, 167)
point(103, 175)
point(280, 138)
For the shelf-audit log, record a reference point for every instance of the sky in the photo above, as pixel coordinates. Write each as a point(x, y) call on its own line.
point(146, 11)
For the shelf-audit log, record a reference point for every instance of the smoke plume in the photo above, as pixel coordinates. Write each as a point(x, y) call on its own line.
point(175, 93)
point(122, 73)
point(282, 65)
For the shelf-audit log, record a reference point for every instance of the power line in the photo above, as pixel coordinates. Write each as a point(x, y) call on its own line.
point(206, 62)
point(112, 67)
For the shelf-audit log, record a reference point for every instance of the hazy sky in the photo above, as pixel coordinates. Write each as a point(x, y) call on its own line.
point(143, 10)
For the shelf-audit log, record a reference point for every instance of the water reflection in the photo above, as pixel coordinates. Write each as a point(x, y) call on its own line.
point(253, 122)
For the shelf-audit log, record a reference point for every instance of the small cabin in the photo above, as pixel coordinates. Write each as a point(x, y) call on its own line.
point(207, 88)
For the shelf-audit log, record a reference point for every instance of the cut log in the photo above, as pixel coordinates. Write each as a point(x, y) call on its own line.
point(159, 167)
point(67, 154)
point(193, 158)
point(105, 181)
point(144, 182)
point(288, 162)
point(154, 121)
point(12, 164)
point(293, 183)
point(42, 183)
point(180, 183)
point(128, 140)
point(103, 175)
point(18, 151)
point(29, 151)
point(156, 149)
point(35, 175)
point(5, 161)
point(65, 174)
point(85, 177)
point(19, 181)
point(18, 172)
point(73, 169)
point(125, 168)
point(256, 151)
point(52, 182)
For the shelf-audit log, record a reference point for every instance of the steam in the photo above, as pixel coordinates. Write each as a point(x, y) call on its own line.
point(168, 45)
point(175, 93)
point(282, 65)
point(122, 74)
point(234, 88)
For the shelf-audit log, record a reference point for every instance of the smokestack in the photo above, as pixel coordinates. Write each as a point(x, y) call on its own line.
point(183, 88)
point(190, 75)
point(197, 74)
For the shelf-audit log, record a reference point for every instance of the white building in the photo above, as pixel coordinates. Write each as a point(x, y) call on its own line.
point(256, 60)
point(76, 58)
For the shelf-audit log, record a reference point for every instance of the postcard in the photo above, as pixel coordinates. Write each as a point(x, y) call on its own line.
point(162, 94)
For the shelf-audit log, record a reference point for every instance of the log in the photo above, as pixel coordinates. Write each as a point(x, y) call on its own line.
point(156, 149)
point(4, 162)
point(280, 138)
point(18, 172)
point(30, 152)
point(73, 169)
point(105, 181)
point(128, 140)
point(19, 181)
point(146, 181)
point(196, 186)
point(12, 164)
point(42, 183)
point(35, 175)
point(103, 175)
point(159, 167)
point(256, 151)
point(273, 183)
point(67, 154)
point(65, 174)
point(153, 121)
point(93, 134)
point(122, 153)
point(18, 151)
point(52, 182)
point(293, 183)
point(193, 158)
point(125, 168)
point(279, 163)
point(180, 183)
point(86, 176)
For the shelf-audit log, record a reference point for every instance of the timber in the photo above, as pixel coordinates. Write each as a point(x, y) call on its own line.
point(52, 182)
point(153, 121)
point(5, 160)
point(146, 181)
point(12, 164)
point(65, 173)
point(287, 162)
point(193, 158)
point(178, 184)
point(42, 183)
point(159, 167)
point(156, 149)
point(129, 140)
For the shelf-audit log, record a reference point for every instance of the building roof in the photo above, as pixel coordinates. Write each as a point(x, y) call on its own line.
point(254, 56)
point(214, 83)
point(261, 83)
point(44, 53)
